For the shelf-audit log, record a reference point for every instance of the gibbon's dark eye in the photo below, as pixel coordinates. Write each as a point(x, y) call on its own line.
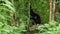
point(34, 18)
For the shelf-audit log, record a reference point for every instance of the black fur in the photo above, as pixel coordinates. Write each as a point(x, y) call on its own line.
point(35, 17)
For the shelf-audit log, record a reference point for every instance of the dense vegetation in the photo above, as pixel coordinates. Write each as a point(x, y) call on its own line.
point(15, 17)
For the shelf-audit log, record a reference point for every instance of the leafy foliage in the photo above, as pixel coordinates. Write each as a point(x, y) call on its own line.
point(21, 10)
point(57, 17)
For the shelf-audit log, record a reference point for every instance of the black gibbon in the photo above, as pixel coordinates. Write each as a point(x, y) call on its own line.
point(34, 18)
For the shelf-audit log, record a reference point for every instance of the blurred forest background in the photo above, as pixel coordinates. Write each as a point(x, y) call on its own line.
point(15, 16)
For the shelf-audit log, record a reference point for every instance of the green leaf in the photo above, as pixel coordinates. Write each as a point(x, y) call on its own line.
point(2, 16)
point(10, 7)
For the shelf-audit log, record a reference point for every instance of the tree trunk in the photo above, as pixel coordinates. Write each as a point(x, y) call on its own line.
point(13, 16)
point(52, 10)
